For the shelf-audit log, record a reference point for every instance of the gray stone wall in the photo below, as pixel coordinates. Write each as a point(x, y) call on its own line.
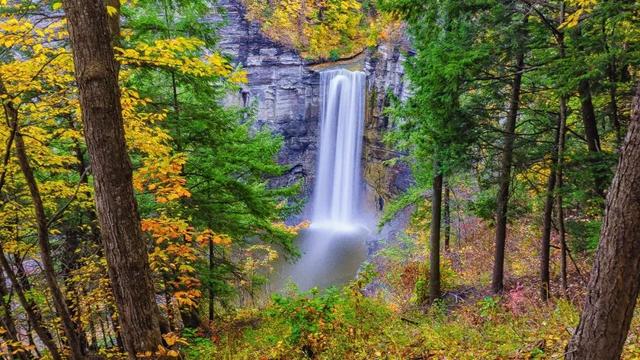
point(285, 92)
point(385, 78)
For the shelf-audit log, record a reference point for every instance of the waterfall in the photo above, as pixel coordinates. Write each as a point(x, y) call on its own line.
point(338, 185)
point(335, 245)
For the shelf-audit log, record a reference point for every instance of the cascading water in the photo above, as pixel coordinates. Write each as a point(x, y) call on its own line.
point(334, 247)
point(338, 185)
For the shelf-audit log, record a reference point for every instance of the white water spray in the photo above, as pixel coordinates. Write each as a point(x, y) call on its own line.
point(338, 186)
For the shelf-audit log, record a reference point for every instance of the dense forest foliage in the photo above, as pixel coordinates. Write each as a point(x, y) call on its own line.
point(138, 218)
point(322, 30)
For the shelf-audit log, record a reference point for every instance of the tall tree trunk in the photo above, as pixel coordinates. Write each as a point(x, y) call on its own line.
point(211, 294)
point(562, 129)
point(124, 247)
point(615, 277)
point(590, 124)
point(505, 169)
point(545, 283)
point(447, 216)
point(33, 315)
point(545, 276)
point(174, 81)
point(434, 241)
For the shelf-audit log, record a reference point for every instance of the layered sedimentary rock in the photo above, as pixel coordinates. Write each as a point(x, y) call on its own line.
point(284, 89)
point(385, 78)
point(284, 92)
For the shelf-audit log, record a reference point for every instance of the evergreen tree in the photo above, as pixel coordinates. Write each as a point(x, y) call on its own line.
point(436, 125)
point(229, 161)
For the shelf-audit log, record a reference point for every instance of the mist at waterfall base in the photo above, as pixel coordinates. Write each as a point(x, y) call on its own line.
point(334, 246)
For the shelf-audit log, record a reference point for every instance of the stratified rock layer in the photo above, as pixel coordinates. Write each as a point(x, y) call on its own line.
point(284, 89)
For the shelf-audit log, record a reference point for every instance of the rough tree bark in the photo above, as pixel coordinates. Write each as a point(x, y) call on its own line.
point(615, 277)
point(124, 247)
point(434, 241)
point(505, 168)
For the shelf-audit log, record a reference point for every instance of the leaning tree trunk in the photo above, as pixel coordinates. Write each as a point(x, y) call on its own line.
point(434, 255)
point(615, 277)
point(505, 171)
point(75, 337)
point(33, 315)
point(125, 249)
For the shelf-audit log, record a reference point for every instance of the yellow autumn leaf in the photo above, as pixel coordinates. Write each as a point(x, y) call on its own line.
point(112, 11)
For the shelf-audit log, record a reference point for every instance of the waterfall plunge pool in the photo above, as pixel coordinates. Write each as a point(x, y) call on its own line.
point(327, 258)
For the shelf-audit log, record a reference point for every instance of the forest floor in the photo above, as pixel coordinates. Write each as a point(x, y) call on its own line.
point(376, 316)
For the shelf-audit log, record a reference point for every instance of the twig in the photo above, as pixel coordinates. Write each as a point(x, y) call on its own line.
point(412, 322)
point(60, 211)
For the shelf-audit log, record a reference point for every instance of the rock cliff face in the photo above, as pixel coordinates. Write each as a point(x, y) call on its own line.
point(385, 78)
point(285, 92)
